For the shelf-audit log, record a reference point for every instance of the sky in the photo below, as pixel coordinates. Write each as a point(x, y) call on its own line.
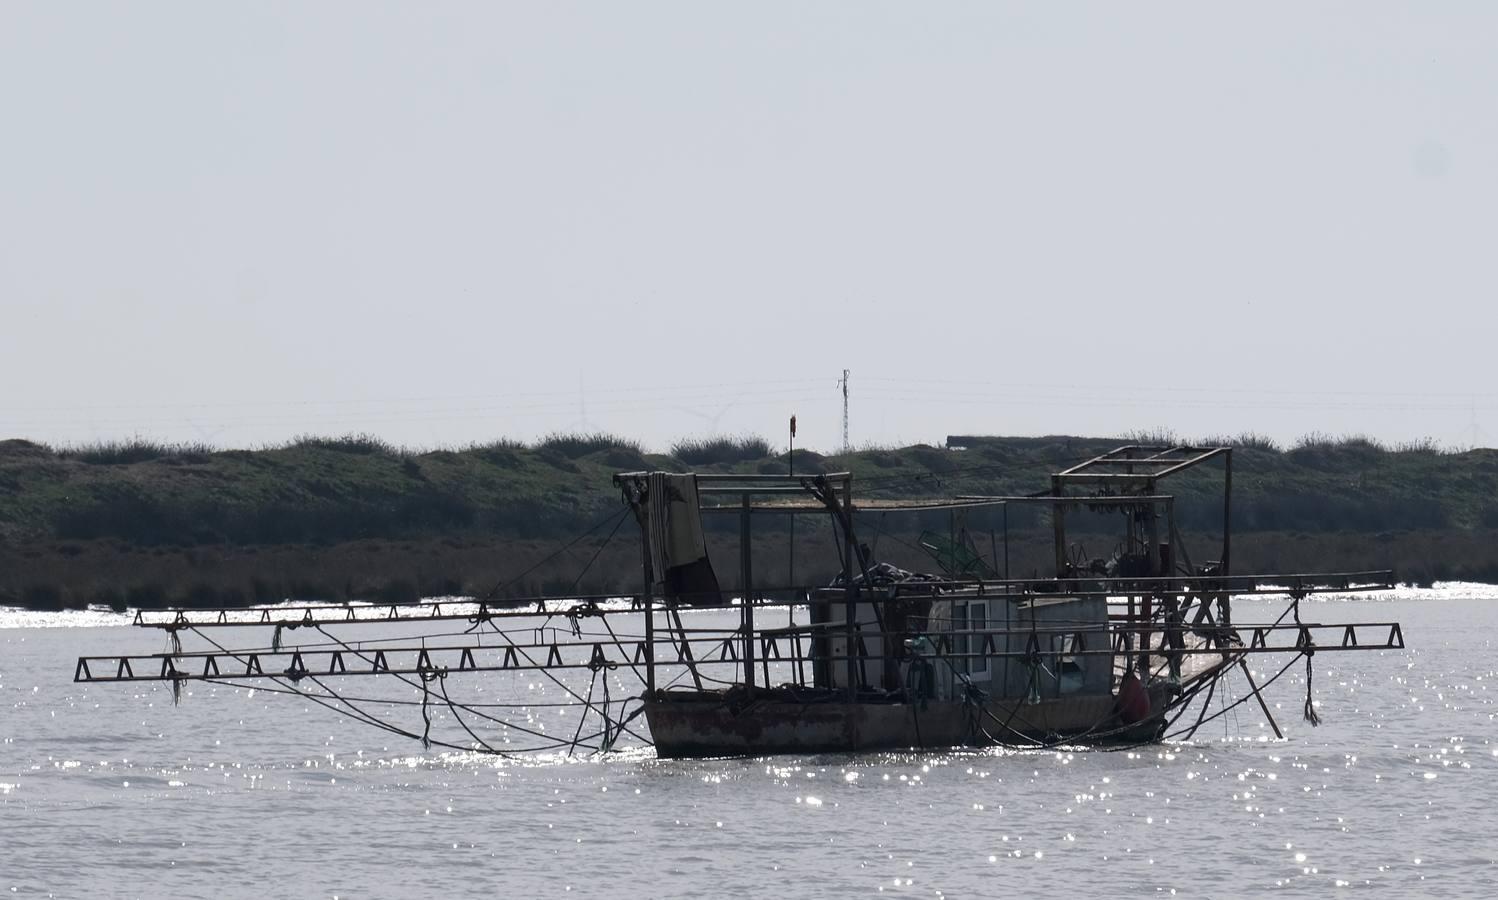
point(449, 222)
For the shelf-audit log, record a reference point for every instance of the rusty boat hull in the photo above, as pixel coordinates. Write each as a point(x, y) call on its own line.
point(686, 724)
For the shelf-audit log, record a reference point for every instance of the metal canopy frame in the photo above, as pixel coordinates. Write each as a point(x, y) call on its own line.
point(1136, 462)
point(1136, 469)
point(1124, 479)
point(834, 495)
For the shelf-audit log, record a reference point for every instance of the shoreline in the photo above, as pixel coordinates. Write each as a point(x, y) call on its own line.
point(15, 617)
point(355, 519)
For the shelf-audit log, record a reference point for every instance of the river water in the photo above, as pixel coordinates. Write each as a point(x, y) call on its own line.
point(110, 790)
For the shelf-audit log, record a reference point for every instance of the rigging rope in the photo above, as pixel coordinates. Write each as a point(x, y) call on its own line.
point(370, 719)
point(1309, 649)
point(494, 591)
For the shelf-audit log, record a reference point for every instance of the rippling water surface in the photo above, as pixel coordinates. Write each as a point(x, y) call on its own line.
point(110, 790)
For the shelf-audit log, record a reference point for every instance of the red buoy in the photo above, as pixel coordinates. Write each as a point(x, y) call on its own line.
point(1133, 700)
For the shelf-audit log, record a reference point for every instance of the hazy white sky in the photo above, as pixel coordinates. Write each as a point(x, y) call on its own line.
point(443, 222)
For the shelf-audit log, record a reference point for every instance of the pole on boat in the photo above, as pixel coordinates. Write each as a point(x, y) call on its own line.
point(1006, 541)
point(649, 628)
point(631, 494)
point(790, 461)
point(1227, 510)
point(851, 609)
point(790, 456)
point(1224, 602)
point(952, 544)
point(746, 603)
point(1147, 601)
point(1058, 525)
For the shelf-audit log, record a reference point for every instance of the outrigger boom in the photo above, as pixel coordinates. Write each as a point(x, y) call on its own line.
point(1105, 651)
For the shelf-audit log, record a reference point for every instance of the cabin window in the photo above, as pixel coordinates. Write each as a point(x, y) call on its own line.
point(1067, 663)
point(969, 621)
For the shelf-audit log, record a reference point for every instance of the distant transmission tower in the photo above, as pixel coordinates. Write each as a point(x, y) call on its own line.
point(847, 446)
point(582, 423)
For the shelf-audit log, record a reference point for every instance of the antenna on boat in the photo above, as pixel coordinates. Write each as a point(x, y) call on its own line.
point(847, 447)
point(790, 455)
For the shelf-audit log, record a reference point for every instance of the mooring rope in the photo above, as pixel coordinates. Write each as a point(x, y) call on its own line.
point(1310, 709)
point(596, 553)
point(1241, 700)
point(1309, 649)
point(358, 714)
point(588, 704)
point(505, 723)
point(426, 738)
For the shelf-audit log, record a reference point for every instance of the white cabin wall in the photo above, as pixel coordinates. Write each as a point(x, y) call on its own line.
point(865, 619)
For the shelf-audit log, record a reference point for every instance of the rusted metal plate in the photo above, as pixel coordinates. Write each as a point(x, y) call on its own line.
point(711, 724)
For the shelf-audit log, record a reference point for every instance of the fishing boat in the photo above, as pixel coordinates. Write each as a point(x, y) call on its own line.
point(1102, 651)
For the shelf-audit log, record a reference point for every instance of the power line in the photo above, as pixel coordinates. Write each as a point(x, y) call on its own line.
point(1095, 388)
point(693, 388)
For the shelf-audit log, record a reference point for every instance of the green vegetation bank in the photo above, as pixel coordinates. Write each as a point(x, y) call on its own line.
point(141, 524)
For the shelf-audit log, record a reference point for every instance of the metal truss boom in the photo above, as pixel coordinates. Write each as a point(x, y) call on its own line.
point(296, 663)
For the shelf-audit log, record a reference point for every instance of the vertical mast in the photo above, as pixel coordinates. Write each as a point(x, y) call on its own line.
point(747, 608)
point(851, 599)
point(847, 446)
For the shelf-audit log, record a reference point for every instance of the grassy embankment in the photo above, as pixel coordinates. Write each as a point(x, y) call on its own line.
point(353, 518)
